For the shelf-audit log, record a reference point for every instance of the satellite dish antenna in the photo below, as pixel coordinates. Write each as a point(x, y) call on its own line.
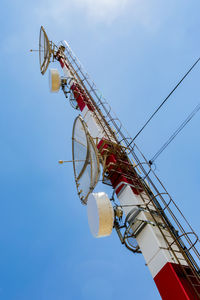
point(100, 214)
point(85, 160)
point(45, 51)
point(54, 80)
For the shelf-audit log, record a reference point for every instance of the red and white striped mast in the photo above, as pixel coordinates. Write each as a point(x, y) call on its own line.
point(141, 210)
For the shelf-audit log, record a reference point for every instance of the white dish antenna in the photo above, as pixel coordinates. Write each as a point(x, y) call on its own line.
point(100, 214)
point(85, 160)
point(54, 80)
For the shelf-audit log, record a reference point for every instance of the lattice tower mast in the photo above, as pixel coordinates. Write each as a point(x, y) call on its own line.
point(154, 225)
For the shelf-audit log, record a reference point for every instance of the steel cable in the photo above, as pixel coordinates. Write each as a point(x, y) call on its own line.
point(193, 113)
point(164, 101)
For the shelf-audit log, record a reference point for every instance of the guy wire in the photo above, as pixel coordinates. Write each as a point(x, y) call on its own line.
point(193, 113)
point(164, 101)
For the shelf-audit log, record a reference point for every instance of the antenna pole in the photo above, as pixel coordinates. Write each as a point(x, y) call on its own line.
point(151, 218)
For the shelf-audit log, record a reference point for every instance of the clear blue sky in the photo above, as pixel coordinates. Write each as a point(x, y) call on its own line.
point(135, 51)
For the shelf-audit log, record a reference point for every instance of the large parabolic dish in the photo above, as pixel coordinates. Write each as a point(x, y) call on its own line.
point(85, 160)
point(44, 51)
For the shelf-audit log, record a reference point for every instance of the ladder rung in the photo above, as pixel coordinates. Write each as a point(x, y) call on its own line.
point(177, 251)
point(196, 284)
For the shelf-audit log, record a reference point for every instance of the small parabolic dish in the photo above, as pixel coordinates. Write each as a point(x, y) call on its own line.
point(44, 51)
point(85, 160)
point(100, 214)
point(54, 80)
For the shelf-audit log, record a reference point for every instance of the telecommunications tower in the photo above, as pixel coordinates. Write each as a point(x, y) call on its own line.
point(142, 212)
